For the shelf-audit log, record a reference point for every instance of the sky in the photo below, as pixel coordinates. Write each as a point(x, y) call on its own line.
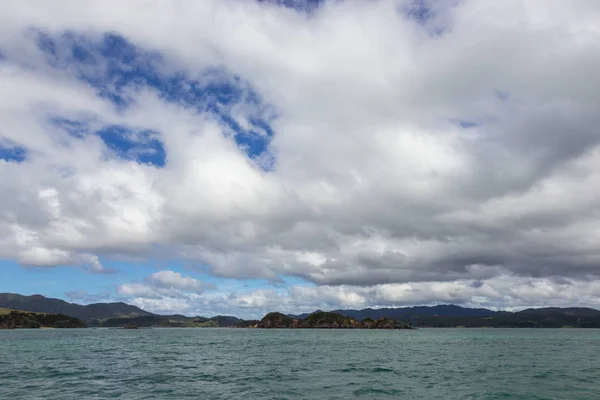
point(239, 157)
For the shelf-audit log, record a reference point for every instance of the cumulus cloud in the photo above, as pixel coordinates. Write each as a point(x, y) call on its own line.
point(167, 305)
point(455, 144)
point(161, 284)
point(172, 279)
point(137, 290)
point(502, 292)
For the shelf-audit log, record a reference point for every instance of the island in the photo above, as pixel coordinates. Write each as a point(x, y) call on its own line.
point(16, 319)
point(322, 320)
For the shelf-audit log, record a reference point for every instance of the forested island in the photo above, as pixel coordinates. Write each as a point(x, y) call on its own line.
point(322, 320)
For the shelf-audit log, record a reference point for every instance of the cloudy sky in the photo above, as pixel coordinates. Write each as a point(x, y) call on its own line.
point(223, 156)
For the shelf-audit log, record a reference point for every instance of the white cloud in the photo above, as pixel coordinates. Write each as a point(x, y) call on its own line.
point(163, 284)
point(508, 292)
point(172, 279)
point(136, 289)
point(374, 183)
point(166, 305)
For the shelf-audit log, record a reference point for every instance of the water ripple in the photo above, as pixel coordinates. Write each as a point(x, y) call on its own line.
point(282, 364)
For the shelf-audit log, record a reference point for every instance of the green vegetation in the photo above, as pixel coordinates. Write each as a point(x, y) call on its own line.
point(168, 321)
point(143, 321)
point(276, 320)
point(14, 319)
point(121, 314)
point(328, 320)
point(109, 314)
point(207, 324)
point(322, 320)
point(251, 323)
point(451, 316)
point(523, 319)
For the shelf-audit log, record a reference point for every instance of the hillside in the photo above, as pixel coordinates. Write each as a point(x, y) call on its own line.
point(408, 313)
point(531, 318)
point(16, 319)
point(456, 316)
point(109, 314)
point(168, 321)
point(38, 303)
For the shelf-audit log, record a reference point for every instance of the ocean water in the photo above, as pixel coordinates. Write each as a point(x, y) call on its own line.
point(300, 364)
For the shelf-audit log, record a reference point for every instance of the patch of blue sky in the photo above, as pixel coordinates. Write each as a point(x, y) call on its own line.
point(465, 124)
point(419, 11)
point(204, 273)
point(138, 272)
point(296, 281)
point(425, 12)
point(115, 67)
point(306, 6)
point(52, 281)
point(254, 141)
point(142, 146)
point(48, 46)
point(11, 152)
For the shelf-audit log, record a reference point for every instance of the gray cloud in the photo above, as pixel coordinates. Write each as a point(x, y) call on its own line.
point(373, 180)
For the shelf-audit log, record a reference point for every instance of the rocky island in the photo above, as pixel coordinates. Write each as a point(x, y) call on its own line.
point(322, 320)
point(15, 319)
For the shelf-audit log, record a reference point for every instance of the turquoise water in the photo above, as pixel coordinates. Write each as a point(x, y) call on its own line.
point(300, 364)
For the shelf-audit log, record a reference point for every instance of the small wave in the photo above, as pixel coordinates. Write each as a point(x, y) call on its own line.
point(383, 369)
point(364, 391)
point(348, 369)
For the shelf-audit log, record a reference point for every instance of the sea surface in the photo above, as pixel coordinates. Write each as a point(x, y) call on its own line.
point(213, 363)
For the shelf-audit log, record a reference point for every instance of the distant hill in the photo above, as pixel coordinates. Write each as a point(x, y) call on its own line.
point(109, 314)
point(530, 318)
point(168, 321)
point(407, 313)
point(226, 320)
point(38, 303)
point(456, 316)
